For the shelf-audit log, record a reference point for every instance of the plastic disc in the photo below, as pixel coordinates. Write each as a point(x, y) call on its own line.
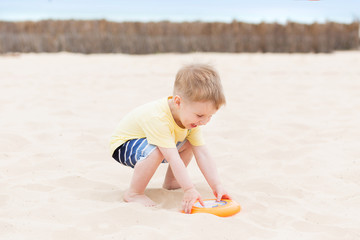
point(224, 208)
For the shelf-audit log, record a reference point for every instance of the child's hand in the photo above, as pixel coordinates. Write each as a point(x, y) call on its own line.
point(220, 193)
point(190, 197)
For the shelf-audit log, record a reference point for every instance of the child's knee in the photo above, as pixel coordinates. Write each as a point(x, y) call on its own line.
point(156, 155)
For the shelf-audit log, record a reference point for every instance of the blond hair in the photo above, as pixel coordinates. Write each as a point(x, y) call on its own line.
point(199, 83)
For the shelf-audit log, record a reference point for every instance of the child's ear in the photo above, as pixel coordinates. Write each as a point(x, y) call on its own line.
point(177, 100)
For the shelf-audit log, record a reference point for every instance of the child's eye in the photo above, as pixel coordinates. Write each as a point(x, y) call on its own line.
point(199, 115)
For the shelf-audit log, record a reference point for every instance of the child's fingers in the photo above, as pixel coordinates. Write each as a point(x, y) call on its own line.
point(187, 206)
point(218, 196)
point(184, 207)
point(201, 202)
point(191, 204)
point(222, 196)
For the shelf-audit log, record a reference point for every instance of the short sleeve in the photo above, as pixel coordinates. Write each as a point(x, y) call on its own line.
point(195, 137)
point(158, 132)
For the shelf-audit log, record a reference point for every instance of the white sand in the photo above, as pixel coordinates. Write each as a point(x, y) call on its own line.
point(287, 146)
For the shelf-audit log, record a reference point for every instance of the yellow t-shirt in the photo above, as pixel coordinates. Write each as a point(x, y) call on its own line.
point(155, 122)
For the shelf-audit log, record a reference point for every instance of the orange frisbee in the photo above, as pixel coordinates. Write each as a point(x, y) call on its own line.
point(224, 208)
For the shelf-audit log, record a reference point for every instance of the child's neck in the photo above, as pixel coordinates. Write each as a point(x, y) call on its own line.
point(174, 112)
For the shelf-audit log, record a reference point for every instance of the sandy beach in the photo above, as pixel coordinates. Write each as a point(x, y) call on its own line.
point(287, 147)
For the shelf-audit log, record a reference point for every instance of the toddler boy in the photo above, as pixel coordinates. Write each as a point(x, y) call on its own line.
point(168, 130)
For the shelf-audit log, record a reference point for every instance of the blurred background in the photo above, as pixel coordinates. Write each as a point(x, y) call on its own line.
point(145, 27)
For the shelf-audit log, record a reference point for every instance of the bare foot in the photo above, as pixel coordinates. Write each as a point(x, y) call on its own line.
point(139, 198)
point(171, 185)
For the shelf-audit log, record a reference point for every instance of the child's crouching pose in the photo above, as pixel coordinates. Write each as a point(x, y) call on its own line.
point(168, 130)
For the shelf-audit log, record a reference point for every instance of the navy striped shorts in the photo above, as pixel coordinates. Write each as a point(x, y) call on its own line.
point(135, 150)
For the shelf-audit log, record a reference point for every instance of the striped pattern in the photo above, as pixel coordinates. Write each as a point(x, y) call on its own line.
point(136, 150)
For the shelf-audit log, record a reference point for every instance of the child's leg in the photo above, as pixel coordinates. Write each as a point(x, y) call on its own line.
point(186, 155)
point(143, 172)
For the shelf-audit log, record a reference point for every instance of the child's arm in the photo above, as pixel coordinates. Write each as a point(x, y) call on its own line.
point(208, 168)
point(179, 170)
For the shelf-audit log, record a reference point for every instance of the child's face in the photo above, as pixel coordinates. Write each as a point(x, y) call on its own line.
point(193, 114)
